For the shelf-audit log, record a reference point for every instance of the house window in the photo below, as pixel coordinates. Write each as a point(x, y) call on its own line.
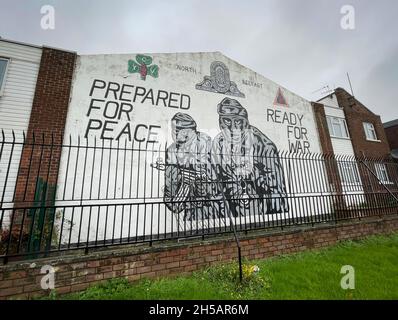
point(370, 131)
point(349, 173)
point(381, 173)
point(337, 127)
point(3, 71)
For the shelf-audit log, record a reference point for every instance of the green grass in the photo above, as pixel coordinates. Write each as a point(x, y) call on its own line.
point(307, 275)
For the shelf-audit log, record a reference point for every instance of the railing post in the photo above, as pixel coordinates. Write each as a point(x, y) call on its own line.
point(235, 235)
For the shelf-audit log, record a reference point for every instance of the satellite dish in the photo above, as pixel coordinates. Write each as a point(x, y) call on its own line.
point(394, 153)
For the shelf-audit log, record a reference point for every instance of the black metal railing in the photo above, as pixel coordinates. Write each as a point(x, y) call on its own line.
point(59, 195)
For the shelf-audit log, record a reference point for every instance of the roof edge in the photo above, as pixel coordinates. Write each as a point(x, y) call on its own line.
point(390, 124)
point(21, 43)
point(35, 46)
point(352, 96)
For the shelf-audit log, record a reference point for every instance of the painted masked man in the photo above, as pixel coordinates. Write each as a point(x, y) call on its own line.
point(187, 170)
point(247, 164)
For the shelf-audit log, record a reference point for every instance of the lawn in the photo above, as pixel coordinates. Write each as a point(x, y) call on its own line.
point(307, 275)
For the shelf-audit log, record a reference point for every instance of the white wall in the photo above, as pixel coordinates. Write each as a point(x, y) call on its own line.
point(343, 146)
point(15, 106)
point(330, 100)
point(340, 145)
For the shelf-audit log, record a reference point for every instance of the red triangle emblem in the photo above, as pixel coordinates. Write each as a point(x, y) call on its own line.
point(280, 99)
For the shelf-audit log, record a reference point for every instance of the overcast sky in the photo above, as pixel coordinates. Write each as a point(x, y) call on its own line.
point(297, 43)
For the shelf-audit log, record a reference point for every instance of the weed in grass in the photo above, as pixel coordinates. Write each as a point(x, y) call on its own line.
point(227, 276)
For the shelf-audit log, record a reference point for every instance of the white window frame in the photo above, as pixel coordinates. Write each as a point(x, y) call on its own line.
point(382, 173)
point(349, 170)
point(340, 122)
point(2, 85)
point(370, 131)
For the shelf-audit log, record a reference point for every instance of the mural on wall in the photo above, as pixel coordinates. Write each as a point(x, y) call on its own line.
point(143, 66)
point(247, 163)
point(221, 159)
point(188, 186)
point(219, 81)
point(241, 163)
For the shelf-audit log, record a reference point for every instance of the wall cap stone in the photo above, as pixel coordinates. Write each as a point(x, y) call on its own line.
point(143, 248)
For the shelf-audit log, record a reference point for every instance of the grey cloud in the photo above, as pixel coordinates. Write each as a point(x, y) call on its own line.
point(298, 44)
point(380, 87)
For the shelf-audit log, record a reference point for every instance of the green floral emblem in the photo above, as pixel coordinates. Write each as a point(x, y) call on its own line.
point(143, 66)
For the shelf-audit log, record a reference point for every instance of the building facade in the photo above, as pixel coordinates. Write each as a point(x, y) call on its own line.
point(360, 128)
point(128, 145)
point(336, 139)
point(35, 86)
point(19, 68)
point(367, 131)
point(348, 127)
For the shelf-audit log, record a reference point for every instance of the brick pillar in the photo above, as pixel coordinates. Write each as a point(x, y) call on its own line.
point(332, 170)
point(323, 130)
point(39, 164)
point(47, 122)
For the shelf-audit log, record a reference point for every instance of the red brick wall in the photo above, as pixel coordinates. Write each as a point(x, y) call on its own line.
point(323, 130)
point(327, 148)
point(76, 273)
point(392, 136)
point(356, 113)
point(47, 122)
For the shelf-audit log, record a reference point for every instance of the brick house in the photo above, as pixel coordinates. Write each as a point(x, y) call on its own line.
point(367, 132)
point(362, 126)
point(346, 126)
point(391, 129)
